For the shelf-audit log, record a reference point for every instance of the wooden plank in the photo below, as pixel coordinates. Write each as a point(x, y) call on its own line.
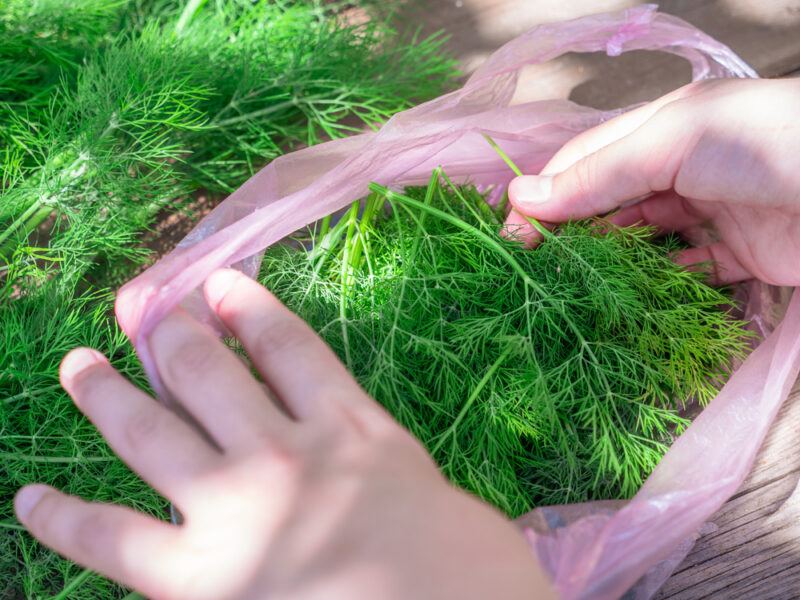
point(755, 551)
point(766, 34)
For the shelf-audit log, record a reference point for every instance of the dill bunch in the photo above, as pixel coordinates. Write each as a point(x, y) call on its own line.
point(43, 437)
point(44, 43)
point(199, 97)
point(533, 377)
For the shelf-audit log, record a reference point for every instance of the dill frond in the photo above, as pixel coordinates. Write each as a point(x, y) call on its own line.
point(533, 377)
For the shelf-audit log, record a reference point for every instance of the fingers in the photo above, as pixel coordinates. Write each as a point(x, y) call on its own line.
point(298, 366)
point(518, 228)
point(593, 139)
point(153, 441)
point(213, 384)
point(667, 211)
point(118, 542)
point(598, 183)
point(722, 265)
point(629, 157)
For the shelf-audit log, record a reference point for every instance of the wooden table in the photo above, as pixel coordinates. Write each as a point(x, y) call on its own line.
point(755, 550)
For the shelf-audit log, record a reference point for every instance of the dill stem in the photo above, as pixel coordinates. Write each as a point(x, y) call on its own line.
point(187, 14)
point(6, 248)
point(54, 459)
point(506, 158)
point(19, 221)
point(453, 220)
point(518, 172)
point(352, 216)
point(359, 249)
point(28, 394)
point(256, 113)
point(471, 400)
point(325, 227)
point(75, 583)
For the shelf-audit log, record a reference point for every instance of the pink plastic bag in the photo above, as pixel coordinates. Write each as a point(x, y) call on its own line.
point(599, 550)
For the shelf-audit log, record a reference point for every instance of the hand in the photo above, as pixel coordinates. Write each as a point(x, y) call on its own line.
point(304, 489)
point(722, 153)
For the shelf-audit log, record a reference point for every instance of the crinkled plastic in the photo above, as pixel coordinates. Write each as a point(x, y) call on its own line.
point(597, 550)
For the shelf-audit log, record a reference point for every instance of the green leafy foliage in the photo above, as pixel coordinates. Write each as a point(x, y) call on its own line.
point(44, 438)
point(112, 112)
point(292, 77)
point(533, 377)
point(193, 99)
point(44, 43)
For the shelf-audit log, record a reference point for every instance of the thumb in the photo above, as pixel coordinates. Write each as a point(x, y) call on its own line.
point(642, 162)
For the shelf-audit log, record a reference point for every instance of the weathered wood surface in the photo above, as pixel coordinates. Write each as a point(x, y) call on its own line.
point(755, 550)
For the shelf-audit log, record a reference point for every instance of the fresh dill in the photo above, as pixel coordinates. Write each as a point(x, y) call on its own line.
point(44, 438)
point(533, 377)
point(105, 126)
point(113, 112)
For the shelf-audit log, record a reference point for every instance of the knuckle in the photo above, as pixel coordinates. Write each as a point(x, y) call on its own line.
point(665, 119)
point(89, 530)
point(694, 87)
point(142, 427)
point(585, 176)
point(400, 440)
point(281, 337)
point(191, 360)
point(287, 459)
point(664, 130)
point(263, 468)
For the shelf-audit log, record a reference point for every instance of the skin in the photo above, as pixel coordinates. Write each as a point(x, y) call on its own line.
point(303, 487)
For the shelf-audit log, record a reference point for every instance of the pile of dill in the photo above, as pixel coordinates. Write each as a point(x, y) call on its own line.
point(113, 110)
point(114, 113)
point(533, 377)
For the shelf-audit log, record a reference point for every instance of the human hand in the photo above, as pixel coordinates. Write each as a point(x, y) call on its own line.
point(722, 153)
point(309, 489)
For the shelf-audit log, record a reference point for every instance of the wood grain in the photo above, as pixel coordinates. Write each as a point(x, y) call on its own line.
point(754, 553)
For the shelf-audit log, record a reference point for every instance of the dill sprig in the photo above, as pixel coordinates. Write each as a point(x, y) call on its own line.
point(533, 377)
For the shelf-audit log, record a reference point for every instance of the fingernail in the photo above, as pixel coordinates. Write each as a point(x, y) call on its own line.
point(530, 189)
point(27, 499)
point(77, 361)
point(219, 284)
